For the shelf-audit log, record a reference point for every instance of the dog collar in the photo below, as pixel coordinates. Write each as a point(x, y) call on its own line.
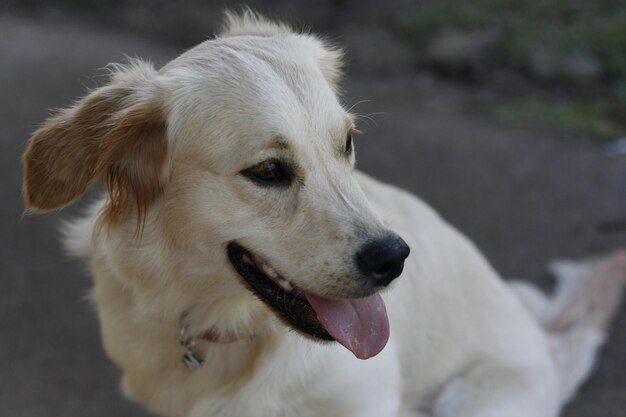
point(193, 357)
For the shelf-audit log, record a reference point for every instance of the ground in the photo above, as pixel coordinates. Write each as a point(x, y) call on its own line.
point(524, 193)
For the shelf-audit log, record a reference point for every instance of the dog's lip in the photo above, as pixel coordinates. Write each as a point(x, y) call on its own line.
point(361, 325)
point(276, 292)
point(271, 274)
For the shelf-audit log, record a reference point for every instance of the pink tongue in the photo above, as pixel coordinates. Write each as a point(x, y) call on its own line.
point(361, 325)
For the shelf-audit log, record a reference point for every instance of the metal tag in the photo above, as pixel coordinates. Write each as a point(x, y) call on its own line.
point(191, 359)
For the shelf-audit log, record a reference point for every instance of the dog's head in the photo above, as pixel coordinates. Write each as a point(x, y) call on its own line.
point(237, 154)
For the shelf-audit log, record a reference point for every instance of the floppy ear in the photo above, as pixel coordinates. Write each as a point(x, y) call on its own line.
point(117, 132)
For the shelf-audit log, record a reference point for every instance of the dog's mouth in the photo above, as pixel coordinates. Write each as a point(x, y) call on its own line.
point(361, 325)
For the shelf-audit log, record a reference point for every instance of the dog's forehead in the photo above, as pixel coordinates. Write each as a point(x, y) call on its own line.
point(256, 88)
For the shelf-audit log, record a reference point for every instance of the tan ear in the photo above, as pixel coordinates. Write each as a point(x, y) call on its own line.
point(117, 132)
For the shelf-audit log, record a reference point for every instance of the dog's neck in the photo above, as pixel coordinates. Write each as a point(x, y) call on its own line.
point(143, 290)
point(196, 345)
point(149, 353)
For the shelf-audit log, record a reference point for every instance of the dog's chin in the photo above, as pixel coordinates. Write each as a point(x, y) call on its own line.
point(285, 299)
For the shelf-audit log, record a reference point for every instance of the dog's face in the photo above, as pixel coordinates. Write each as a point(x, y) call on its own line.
point(272, 161)
point(240, 150)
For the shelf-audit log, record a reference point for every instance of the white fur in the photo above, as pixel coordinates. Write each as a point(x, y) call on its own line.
point(462, 343)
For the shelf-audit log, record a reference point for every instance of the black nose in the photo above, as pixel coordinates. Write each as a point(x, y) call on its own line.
point(382, 260)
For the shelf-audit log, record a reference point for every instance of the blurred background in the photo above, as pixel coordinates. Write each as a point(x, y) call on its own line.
point(508, 116)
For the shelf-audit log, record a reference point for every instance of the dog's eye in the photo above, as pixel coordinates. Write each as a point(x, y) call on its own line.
point(348, 148)
point(269, 172)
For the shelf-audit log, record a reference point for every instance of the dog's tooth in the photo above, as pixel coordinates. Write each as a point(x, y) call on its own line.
point(270, 271)
point(286, 285)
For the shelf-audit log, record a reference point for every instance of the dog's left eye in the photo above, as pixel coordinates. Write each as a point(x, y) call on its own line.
point(269, 172)
point(348, 148)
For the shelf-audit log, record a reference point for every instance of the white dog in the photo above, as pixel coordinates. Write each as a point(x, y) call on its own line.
point(238, 257)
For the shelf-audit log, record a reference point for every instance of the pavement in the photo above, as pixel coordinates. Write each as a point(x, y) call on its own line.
point(525, 194)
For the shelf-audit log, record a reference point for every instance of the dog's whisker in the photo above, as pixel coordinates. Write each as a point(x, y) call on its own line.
point(367, 117)
point(363, 120)
point(349, 110)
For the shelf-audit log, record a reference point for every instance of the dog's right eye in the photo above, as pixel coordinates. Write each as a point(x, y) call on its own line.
point(269, 173)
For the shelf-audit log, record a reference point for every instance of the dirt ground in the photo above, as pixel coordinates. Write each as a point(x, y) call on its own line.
point(525, 194)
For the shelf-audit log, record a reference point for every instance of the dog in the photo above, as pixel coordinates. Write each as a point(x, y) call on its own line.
point(243, 267)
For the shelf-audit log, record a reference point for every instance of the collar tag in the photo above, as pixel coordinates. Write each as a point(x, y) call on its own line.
point(192, 361)
point(191, 358)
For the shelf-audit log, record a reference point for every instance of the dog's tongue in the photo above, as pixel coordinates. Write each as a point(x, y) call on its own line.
point(361, 324)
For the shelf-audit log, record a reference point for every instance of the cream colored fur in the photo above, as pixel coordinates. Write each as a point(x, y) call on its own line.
point(462, 343)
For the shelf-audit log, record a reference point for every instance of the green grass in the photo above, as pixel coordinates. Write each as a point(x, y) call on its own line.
point(561, 30)
point(581, 118)
point(567, 27)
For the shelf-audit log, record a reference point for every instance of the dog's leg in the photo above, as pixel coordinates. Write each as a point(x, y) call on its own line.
point(372, 396)
point(353, 388)
point(576, 316)
point(587, 296)
point(413, 413)
point(492, 391)
point(385, 407)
